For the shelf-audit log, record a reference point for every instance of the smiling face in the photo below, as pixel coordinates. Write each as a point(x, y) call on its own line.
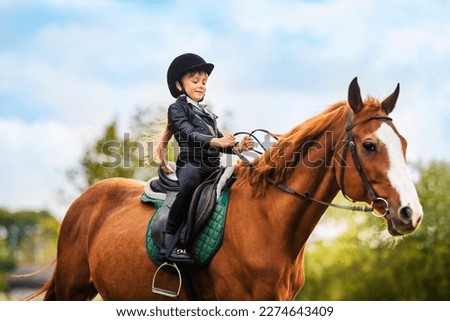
point(194, 85)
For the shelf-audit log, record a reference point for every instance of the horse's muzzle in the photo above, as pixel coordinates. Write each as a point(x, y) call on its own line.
point(403, 221)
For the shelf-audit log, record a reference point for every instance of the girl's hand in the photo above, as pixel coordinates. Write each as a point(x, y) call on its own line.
point(223, 142)
point(246, 144)
point(166, 168)
point(160, 150)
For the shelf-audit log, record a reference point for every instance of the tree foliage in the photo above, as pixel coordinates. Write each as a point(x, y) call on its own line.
point(358, 266)
point(25, 237)
point(128, 153)
point(117, 153)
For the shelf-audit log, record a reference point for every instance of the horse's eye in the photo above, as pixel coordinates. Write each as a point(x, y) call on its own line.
point(369, 146)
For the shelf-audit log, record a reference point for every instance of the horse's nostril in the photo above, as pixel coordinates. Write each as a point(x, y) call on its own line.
point(406, 214)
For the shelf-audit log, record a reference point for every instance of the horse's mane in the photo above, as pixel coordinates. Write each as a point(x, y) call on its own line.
point(275, 165)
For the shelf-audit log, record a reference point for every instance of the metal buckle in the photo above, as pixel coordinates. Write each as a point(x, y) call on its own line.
point(165, 292)
point(374, 212)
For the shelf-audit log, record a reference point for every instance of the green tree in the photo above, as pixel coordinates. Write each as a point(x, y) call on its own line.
point(107, 157)
point(25, 237)
point(121, 154)
point(358, 266)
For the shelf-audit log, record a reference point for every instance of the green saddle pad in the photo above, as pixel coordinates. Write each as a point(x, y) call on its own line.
point(209, 239)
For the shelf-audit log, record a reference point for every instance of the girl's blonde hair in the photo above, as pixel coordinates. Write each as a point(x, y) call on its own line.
point(161, 149)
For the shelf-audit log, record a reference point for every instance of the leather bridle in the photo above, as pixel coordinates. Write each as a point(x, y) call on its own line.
point(349, 144)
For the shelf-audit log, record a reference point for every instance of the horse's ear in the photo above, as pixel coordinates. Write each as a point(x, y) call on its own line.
point(354, 96)
point(389, 103)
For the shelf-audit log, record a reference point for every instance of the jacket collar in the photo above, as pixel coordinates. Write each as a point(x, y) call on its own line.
point(199, 108)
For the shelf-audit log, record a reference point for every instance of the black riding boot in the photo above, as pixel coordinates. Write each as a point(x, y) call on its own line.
point(177, 255)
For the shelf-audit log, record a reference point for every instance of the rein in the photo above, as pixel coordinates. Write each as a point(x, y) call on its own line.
point(252, 135)
point(349, 145)
point(354, 208)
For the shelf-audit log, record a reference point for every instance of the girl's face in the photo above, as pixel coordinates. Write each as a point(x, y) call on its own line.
point(194, 85)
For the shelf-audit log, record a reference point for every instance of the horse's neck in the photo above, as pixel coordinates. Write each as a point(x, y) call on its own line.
point(300, 214)
point(291, 219)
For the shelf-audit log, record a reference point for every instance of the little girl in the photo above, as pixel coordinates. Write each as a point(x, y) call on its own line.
point(200, 141)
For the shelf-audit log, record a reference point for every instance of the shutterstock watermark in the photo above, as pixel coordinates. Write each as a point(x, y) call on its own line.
point(311, 153)
point(123, 153)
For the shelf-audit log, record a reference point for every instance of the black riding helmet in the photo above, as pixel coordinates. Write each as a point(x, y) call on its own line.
point(182, 64)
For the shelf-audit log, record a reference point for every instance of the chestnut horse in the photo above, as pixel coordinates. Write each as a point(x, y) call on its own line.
point(101, 247)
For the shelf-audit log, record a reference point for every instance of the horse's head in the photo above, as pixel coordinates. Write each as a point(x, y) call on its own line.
point(373, 167)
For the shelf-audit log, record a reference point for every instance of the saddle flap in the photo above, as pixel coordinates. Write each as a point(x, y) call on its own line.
point(209, 239)
point(202, 205)
point(160, 220)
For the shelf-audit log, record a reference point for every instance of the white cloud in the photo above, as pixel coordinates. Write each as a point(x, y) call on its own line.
point(34, 160)
point(293, 16)
point(67, 94)
point(78, 4)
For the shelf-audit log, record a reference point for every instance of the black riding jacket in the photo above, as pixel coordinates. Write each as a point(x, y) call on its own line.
point(193, 128)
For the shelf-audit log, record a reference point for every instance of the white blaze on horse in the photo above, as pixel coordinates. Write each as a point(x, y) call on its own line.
point(274, 206)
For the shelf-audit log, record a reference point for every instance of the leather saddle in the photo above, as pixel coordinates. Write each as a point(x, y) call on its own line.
point(166, 187)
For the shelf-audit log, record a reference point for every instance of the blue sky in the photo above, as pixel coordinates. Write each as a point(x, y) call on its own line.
point(67, 68)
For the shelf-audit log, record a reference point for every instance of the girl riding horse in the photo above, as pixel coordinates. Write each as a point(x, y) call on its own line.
point(195, 129)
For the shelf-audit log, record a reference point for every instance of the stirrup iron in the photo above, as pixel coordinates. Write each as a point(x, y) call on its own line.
point(165, 292)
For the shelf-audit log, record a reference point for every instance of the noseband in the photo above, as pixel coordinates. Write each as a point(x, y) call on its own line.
point(350, 145)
